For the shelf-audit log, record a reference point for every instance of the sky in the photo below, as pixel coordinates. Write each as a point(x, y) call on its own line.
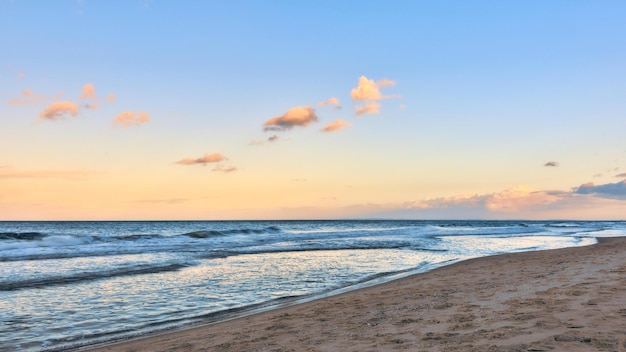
point(210, 110)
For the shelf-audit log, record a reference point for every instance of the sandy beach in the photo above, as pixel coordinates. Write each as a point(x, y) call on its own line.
point(571, 299)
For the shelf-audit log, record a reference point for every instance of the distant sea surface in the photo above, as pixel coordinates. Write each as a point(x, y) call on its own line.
point(68, 284)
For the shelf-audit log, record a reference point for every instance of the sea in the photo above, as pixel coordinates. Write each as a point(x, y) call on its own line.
point(65, 284)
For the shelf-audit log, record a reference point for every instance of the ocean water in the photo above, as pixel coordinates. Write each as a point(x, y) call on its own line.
point(69, 284)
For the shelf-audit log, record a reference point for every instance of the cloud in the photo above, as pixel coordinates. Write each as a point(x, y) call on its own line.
point(520, 197)
point(301, 116)
point(58, 110)
point(128, 118)
point(27, 97)
point(7, 173)
point(162, 201)
point(92, 106)
point(366, 90)
point(222, 168)
point(111, 97)
point(20, 75)
point(621, 175)
point(203, 160)
point(371, 108)
point(610, 190)
point(368, 93)
point(273, 138)
point(385, 83)
point(89, 92)
point(551, 164)
point(335, 126)
point(330, 102)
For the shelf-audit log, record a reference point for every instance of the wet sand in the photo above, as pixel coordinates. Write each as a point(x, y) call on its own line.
point(571, 299)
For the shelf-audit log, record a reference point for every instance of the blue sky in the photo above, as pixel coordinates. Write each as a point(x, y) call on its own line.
point(479, 97)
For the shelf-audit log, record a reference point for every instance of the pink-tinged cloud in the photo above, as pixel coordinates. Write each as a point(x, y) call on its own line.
point(301, 116)
point(335, 125)
point(27, 97)
point(371, 108)
point(623, 175)
point(365, 90)
point(59, 110)
point(334, 102)
point(222, 168)
point(20, 75)
point(385, 83)
point(8, 173)
point(551, 164)
point(128, 118)
point(520, 197)
point(368, 93)
point(89, 92)
point(203, 160)
point(111, 97)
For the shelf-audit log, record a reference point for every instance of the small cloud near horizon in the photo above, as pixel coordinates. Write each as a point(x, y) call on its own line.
point(609, 190)
point(203, 160)
point(301, 116)
point(222, 168)
point(551, 164)
point(622, 175)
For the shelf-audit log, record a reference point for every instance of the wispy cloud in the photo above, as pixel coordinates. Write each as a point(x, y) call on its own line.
point(111, 97)
point(203, 160)
point(333, 102)
point(610, 190)
point(58, 110)
point(128, 118)
point(551, 164)
point(223, 168)
point(162, 201)
point(335, 125)
point(301, 116)
point(9, 173)
point(368, 93)
point(370, 107)
point(28, 98)
point(622, 175)
point(270, 139)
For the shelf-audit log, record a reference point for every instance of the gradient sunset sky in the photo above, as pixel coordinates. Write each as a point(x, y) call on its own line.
point(310, 110)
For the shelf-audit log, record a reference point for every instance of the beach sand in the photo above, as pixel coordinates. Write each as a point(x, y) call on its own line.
point(571, 299)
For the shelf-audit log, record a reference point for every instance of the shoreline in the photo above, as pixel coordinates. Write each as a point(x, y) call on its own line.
point(563, 299)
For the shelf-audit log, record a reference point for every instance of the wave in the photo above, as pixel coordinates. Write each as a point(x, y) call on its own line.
point(243, 231)
point(86, 276)
point(21, 236)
